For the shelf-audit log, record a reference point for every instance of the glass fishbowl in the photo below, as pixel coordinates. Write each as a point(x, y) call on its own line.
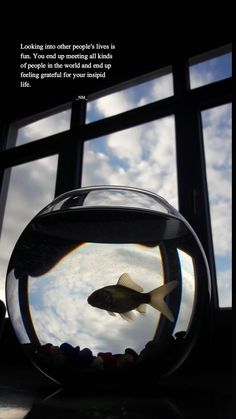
point(107, 281)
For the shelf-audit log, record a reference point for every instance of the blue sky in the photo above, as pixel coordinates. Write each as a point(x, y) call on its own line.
point(131, 98)
point(212, 70)
point(142, 156)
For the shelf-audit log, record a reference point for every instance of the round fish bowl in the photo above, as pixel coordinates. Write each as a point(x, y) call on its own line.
point(107, 281)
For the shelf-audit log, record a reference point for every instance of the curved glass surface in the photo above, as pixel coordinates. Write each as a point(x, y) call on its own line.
point(107, 280)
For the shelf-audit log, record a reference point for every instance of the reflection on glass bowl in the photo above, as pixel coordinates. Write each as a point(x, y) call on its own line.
point(107, 280)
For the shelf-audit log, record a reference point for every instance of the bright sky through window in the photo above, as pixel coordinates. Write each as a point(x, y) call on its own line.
point(217, 143)
point(44, 127)
point(133, 97)
point(31, 188)
point(210, 71)
point(143, 156)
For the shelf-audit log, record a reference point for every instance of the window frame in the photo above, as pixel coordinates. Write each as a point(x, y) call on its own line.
point(186, 105)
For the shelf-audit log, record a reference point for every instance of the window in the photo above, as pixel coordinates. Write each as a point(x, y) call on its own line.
point(144, 132)
point(44, 127)
point(210, 70)
point(31, 187)
point(217, 141)
point(143, 156)
point(133, 97)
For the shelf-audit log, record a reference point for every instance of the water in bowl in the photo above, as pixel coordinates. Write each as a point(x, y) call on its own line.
point(142, 260)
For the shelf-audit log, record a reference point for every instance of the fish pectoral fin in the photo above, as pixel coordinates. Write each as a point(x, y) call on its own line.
point(111, 313)
point(126, 281)
point(142, 309)
point(127, 316)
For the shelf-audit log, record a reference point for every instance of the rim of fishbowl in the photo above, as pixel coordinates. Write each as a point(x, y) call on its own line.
point(173, 210)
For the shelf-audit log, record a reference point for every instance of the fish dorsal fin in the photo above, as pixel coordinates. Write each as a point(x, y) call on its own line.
point(126, 281)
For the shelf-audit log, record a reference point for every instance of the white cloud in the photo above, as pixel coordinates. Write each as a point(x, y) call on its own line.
point(217, 141)
point(210, 70)
point(225, 288)
point(113, 104)
point(142, 157)
point(162, 87)
point(199, 77)
point(58, 299)
point(156, 89)
point(217, 124)
point(14, 412)
point(44, 127)
point(126, 145)
point(222, 228)
point(219, 184)
point(62, 312)
point(145, 157)
point(126, 197)
point(31, 188)
point(130, 98)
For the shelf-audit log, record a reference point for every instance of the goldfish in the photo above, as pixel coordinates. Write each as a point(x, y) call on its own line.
point(127, 295)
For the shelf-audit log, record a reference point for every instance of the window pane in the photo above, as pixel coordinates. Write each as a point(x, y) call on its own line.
point(31, 188)
point(217, 142)
point(143, 156)
point(210, 71)
point(133, 97)
point(51, 125)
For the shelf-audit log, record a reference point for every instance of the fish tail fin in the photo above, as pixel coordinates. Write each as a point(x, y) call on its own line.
point(157, 299)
